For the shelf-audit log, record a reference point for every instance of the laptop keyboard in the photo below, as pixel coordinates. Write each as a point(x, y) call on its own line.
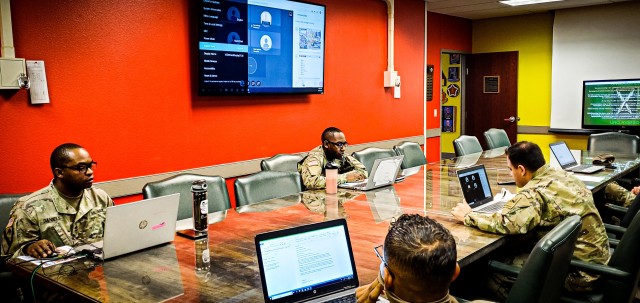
point(346, 299)
point(494, 207)
point(581, 167)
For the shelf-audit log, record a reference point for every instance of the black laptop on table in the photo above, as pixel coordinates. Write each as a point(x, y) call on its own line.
point(477, 191)
point(561, 151)
point(310, 263)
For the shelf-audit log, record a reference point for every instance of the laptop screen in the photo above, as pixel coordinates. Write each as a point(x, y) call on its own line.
point(475, 185)
point(306, 262)
point(563, 154)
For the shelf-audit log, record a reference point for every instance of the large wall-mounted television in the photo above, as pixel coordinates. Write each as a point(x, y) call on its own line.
point(260, 47)
point(611, 104)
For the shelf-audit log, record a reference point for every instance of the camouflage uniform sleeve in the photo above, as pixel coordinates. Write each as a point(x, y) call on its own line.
point(21, 231)
point(357, 167)
point(311, 172)
point(520, 215)
point(618, 195)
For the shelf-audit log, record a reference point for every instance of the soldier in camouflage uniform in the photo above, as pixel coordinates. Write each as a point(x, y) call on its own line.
point(67, 212)
point(547, 197)
point(332, 150)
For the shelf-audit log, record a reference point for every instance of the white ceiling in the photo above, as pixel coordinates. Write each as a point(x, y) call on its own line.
point(482, 9)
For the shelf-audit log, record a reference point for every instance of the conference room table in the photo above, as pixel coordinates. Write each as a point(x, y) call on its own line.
point(176, 271)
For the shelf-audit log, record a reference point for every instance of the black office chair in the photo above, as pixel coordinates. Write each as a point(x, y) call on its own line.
point(613, 142)
point(217, 195)
point(619, 278)
point(369, 155)
point(495, 137)
point(282, 162)
point(413, 154)
point(542, 277)
point(627, 215)
point(465, 145)
point(8, 283)
point(266, 185)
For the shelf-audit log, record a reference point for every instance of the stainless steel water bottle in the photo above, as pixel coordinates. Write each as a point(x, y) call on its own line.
point(200, 205)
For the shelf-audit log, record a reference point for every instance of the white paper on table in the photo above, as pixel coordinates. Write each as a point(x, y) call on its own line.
point(589, 178)
point(49, 262)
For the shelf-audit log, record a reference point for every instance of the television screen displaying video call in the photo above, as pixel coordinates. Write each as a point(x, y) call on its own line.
point(260, 47)
point(611, 104)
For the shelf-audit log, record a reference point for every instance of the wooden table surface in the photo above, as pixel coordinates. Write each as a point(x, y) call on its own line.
point(170, 272)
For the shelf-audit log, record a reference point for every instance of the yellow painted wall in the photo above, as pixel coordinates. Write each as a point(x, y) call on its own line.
point(532, 36)
point(446, 138)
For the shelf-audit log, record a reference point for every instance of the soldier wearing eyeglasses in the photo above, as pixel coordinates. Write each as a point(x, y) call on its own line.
point(334, 143)
point(69, 211)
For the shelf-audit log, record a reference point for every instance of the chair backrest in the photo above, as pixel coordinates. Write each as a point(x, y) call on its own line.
point(614, 143)
point(413, 154)
point(369, 155)
point(217, 194)
point(542, 277)
point(465, 145)
point(281, 162)
point(266, 185)
point(632, 210)
point(625, 258)
point(6, 203)
point(496, 137)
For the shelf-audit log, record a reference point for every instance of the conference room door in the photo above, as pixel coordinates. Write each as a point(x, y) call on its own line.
point(491, 94)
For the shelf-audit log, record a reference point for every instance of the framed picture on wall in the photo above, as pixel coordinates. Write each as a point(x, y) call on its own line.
point(454, 74)
point(454, 58)
point(449, 119)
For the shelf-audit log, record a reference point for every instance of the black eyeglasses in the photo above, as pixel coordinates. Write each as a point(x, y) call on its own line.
point(82, 167)
point(339, 144)
point(379, 254)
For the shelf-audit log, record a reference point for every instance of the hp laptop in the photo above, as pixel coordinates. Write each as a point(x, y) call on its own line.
point(477, 192)
point(134, 226)
point(310, 263)
point(383, 173)
point(566, 160)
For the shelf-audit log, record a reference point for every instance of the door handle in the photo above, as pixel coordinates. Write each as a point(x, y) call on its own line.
point(512, 119)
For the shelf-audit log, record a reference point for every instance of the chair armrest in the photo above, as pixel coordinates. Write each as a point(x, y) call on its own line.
point(503, 268)
point(613, 243)
point(616, 209)
point(615, 229)
point(603, 270)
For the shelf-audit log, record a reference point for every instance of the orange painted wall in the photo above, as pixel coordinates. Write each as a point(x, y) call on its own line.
point(443, 33)
point(119, 76)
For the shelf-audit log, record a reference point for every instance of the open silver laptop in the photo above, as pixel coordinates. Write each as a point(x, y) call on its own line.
point(566, 160)
point(309, 263)
point(383, 173)
point(477, 191)
point(134, 226)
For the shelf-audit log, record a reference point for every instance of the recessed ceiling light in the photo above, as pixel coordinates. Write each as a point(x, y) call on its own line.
point(525, 2)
